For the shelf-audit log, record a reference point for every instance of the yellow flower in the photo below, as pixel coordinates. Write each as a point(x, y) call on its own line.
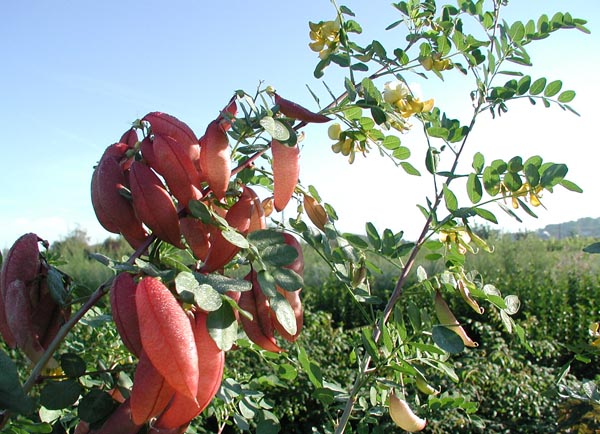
point(525, 192)
point(459, 237)
point(411, 106)
point(394, 91)
point(334, 131)
point(435, 62)
point(325, 37)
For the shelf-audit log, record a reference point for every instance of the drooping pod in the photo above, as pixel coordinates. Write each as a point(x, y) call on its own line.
point(403, 416)
point(260, 329)
point(154, 205)
point(239, 217)
point(167, 336)
point(114, 211)
point(215, 159)
point(124, 312)
point(163, 124)
point(150, 393)
point(177, 168)
point(22, 263)
point(286, 170)
point(315, 211)
point(296, 111)
point(211, 361)
point(447, 319)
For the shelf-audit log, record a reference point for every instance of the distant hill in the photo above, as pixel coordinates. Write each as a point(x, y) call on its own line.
point(584, 227)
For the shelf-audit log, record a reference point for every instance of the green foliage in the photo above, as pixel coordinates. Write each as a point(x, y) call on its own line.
point(403, 314)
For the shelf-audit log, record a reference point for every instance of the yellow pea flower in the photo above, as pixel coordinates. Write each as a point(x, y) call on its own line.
point(324, 36)
point(411, 106)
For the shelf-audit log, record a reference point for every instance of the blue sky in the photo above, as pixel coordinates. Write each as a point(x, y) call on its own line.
point(74, 76)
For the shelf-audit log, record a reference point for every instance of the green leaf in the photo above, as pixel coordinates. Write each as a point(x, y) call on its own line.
point(553, 88)
point(279, 255)
point(391, 142)
point(532, 174)
point(517, 31)
point(265, 237)
point(439, 132)
point(311, 369)
point(353, 27)
point(352, 113)
point(553, 175)
point(95, 406)
point(566, 96)
point(60, 394)
point(275, 128)
point(12, 396)
point(222, 326)
point(447, 340)
point(478, 162)
point(350, 88)
point(372, 94)
point(474, 188)
point(56, 286)
point(368, 343)
point(266, 282)
point(284, 313)
point(491, 181)
point(235, 238)
point(537, 86)
point(432, 158)
point(523, 85)
point(378, 115)
point(287, 279)
point(223, 284)
point(409, 168)
point(72, 365)
point(287, 372)
point(450, 199)
point(512, 181)
point(342, 60)
point(200, 211)
point(515, 164)
point(401, 153)
point(485, 214)
point(373, 236)
point(356, 240)
point(346, 10)
point(571, 186)
point(204, 295)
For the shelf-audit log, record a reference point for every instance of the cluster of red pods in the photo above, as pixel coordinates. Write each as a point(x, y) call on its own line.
point(143, 188)
point(29, 315)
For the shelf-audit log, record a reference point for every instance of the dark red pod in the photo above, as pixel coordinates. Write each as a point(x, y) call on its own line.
point(197, 236)
point(296, 111)
point(150, 393)
point(113, 210)
point(286, 171)
point(177, 168)
point(239, 217)
point(211, 361)
point(130, 138)
point(22, 263)
point(124, 312)
point(164, 124)
point(215, 160)
point(260, 328)
point(153, 204)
